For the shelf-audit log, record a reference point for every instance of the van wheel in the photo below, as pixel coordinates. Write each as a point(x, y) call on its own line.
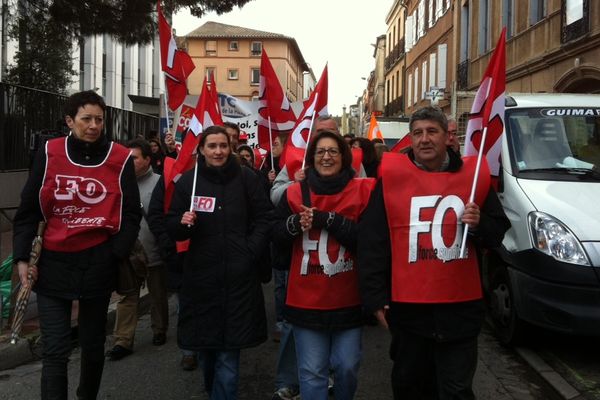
point(508, 327)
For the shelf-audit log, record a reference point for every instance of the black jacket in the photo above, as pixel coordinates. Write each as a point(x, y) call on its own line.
point(221, 300)
point(439, 321)
point(345, 232)
point(86, 273)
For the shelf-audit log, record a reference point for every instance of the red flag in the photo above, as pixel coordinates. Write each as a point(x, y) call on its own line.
point(274, 104)
point(176, 64)
point(488, 109)
point(316, 105)
point(374, 131)
point(206, 114)
point(401, 144)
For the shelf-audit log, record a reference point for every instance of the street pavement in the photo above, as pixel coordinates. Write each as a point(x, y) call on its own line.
point(154, 373)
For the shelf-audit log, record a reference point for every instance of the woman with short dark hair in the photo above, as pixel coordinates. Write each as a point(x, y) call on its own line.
point(318, 217)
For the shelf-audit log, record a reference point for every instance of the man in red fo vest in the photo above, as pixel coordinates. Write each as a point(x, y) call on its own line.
point(411, 275)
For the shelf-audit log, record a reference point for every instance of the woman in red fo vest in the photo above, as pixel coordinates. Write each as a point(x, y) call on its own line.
point(84, 187)
point(323, 304)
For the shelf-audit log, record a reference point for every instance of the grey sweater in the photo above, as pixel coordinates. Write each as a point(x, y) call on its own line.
point(146, 184)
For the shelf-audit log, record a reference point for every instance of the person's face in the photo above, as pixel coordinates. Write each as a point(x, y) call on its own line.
point(154, 147)
point(234, 136)
point(348, 140)
point(245, 154)
point(140, 163)
point(356, 145)
point(216, 150)
point(452, 137)
point(277, 147)
point(88, 123)
point(328, 157)
point(428, 141)
point(326, 125)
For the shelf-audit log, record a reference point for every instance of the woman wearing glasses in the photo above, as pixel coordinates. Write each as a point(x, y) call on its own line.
point(323, 305)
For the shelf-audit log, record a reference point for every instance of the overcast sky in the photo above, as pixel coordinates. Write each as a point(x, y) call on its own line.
point(338, 32)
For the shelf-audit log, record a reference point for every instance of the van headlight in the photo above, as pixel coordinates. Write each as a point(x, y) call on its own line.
point(552, 237)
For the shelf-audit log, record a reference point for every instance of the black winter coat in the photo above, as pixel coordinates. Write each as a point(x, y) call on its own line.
point(221, 299)
point(91, 272)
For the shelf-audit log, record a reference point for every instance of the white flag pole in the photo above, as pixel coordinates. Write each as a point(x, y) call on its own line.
point(473, 188)
point(271, 144)
point(194, 187)
point(312, 120)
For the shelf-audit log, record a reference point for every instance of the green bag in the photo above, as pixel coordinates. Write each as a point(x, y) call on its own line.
point(5, 285)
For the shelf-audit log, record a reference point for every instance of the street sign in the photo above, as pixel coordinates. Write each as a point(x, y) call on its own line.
point(435, 94)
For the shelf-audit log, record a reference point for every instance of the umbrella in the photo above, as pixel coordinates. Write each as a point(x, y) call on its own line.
point(23, 295)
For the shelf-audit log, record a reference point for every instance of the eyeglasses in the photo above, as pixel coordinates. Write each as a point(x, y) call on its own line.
point(333, 152)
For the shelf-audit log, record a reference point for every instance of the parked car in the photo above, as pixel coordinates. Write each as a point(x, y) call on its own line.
point(547, 272)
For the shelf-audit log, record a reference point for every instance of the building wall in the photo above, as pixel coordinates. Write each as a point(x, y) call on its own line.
point(394, 91)
point(284, 59)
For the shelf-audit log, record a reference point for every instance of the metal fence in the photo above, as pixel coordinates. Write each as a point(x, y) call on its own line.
point(26, 114)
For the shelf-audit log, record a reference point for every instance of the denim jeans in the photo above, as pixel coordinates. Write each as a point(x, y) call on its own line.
point(221, 373)
point(287, 369)
point(55, 327)
point(317, 351)
point(279, 291)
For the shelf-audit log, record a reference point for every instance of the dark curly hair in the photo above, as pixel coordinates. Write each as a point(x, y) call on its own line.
point(344, 149)
point(80, 99)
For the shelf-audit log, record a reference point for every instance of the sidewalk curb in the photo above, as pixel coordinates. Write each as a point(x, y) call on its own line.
point(14, 355)
point(560, 385)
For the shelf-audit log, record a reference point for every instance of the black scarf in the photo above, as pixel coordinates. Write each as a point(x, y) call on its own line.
point(222, 174)
point(328, 185)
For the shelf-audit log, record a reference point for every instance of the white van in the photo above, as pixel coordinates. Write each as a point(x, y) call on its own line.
point(547, 272)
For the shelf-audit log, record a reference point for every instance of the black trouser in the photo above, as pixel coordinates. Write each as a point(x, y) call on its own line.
point(427, 369)
point(55, 326)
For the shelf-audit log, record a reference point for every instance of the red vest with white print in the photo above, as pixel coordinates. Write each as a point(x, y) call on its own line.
point(323, 273)
point(423, 211)
point(81, 203)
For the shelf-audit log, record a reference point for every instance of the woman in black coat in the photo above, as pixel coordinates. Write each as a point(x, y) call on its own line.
point(222, 306)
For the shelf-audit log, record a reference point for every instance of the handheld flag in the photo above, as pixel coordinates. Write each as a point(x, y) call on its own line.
point(177, 65)
point(374, 131)
point(487, 119)
point(316, 105)
point(275, 114)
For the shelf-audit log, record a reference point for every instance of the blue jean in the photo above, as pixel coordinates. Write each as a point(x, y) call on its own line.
point(221, 373)
point(55, 326)
point(287, 369)
point(317, 351)
point(280, 278)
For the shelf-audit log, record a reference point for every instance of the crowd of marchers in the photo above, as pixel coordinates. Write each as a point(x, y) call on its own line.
point(344, 243)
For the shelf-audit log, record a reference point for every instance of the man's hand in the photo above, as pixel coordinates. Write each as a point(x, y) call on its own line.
point(380, 315)
point(272, 175)
point(471, 215)
point(299, 175)
point(24, 271)
point(170, 142)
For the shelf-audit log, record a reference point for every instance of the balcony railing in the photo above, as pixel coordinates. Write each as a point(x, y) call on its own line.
point(394, 108)
point(463, 75)
point(396, 54)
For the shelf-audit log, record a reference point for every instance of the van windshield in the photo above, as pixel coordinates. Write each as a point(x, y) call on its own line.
point(555, 140)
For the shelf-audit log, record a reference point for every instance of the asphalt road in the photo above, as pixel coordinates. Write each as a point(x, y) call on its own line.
point(154, 372)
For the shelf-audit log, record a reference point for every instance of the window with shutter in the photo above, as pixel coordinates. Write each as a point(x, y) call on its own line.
point(417, 85)
point(442, 52)
point(254, 76)
point(256, 48)
point(232, 74)
point(423, 79)
point(431, 15)
point(408, 43)
point(234, 45)
point(211, 48)
point(409, 89)
point(432, 67)
point(438, 8)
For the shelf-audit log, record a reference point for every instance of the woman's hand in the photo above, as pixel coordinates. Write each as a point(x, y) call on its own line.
point(170, 142)
point(188, 218)
point(306, 217)
point(24, 271)
point(272, 175)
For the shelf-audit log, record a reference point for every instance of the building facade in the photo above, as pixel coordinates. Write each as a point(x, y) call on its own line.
point(233, 55)
point(394, 61)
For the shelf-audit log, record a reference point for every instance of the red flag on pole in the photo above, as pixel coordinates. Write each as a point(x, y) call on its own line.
point(374, 131)
point(176, 64)
point(486, 121)
point(206, 114)
point(295, 147)
point(274, 106)
point(488, 110)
